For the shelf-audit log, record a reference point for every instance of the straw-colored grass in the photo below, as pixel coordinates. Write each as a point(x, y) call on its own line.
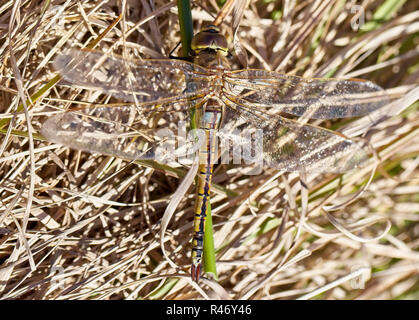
point(75, 225)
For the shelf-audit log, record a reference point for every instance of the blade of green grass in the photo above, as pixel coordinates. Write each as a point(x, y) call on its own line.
point(163, 290)
point(383, 13)
point(209, 250)
point(186, 28)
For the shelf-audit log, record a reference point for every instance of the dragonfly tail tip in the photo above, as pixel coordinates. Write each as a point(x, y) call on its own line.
point(196, 272)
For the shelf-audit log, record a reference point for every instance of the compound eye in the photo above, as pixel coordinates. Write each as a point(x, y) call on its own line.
point(209, 38)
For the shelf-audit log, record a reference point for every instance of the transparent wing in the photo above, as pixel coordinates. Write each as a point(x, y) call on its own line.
point(122, 132)
point(146, 82)
point(287, 145)
point(313, 98)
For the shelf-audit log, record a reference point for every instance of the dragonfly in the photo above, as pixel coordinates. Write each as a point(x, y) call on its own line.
point(219, 100)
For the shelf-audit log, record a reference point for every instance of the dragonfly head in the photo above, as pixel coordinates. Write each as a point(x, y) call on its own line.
point(210, 39)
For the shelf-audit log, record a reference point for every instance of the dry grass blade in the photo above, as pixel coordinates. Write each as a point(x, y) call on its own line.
point(173, 204)
point(75, 225)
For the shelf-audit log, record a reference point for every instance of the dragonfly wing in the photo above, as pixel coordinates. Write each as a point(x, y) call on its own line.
point(312, 98)
point(287, 145)
point(121, 132)
point(145, 82)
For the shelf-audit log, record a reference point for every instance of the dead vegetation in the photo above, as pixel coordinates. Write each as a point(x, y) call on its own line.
point(75, 225)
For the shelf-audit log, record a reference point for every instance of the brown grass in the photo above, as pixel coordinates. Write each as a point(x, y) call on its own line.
point(75, 225)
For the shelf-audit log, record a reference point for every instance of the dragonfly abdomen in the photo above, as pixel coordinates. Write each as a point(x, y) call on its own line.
point(207, 156)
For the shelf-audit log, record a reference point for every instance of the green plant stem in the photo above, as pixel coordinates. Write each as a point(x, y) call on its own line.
point(186, 28)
